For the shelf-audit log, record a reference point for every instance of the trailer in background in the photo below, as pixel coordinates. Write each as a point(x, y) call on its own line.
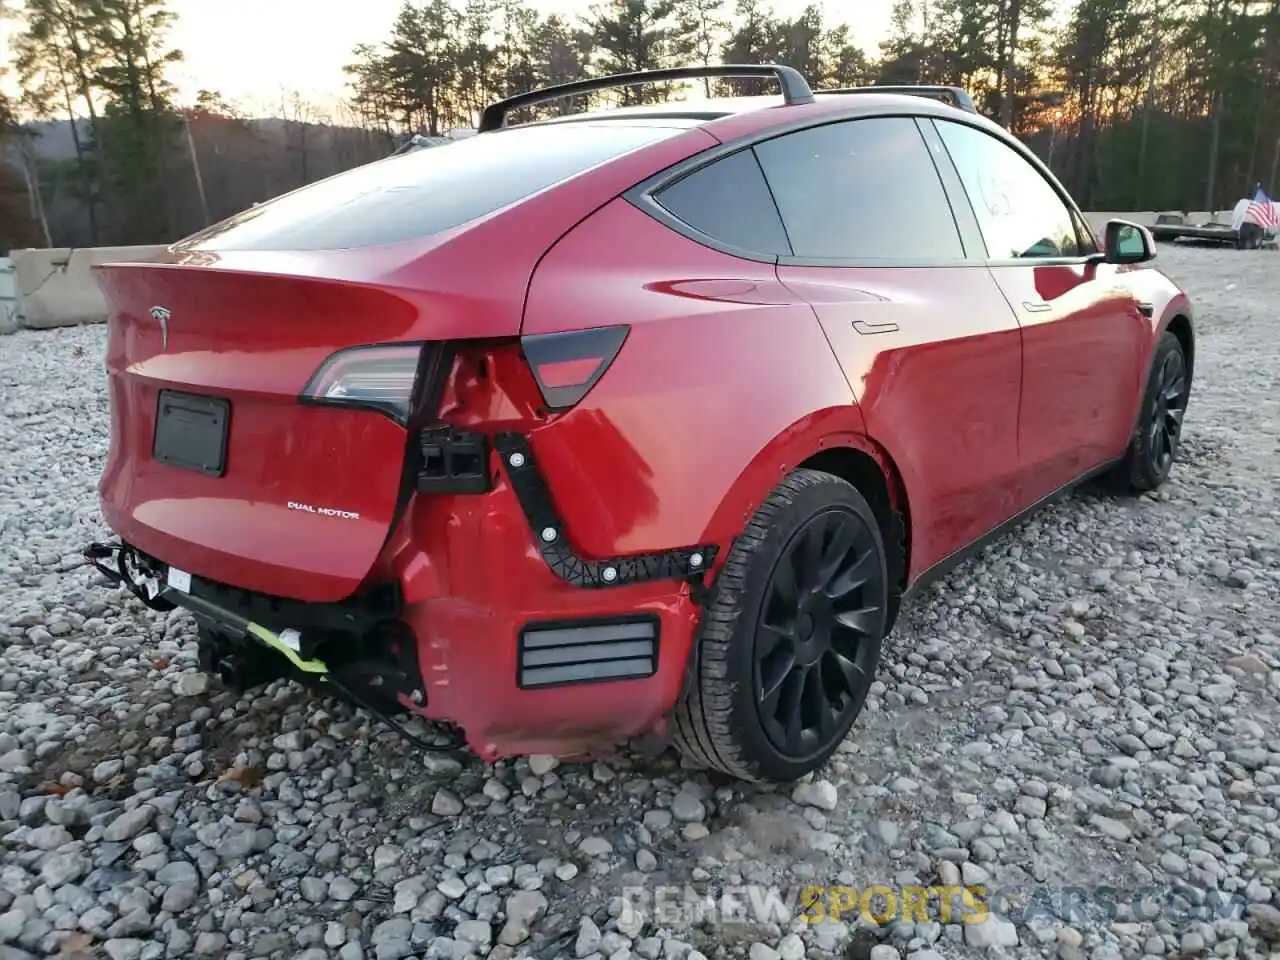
point(1171, 227)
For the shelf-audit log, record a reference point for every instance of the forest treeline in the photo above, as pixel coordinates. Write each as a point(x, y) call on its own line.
point(1135, 104)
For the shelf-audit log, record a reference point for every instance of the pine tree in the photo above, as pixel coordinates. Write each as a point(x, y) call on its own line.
point(633, 35)
point(700, 29)
point(140, 128)
point(56, 62)
point(755, 40)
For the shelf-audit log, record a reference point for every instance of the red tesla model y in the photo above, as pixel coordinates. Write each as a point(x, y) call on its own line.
point(635, 422)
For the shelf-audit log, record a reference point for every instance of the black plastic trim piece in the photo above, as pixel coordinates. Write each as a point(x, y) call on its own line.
point(598, 343)
point(453, 461)
point(795, 88)
point(683, 563)
point(975, 247)
point(557, 653)
point(391, 667)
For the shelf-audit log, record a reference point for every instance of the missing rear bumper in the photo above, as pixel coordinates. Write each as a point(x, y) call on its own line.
point(360, 642)
point(683, 563)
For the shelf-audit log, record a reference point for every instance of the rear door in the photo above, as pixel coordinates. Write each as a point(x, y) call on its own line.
point(1083, 333)
point(925, 338)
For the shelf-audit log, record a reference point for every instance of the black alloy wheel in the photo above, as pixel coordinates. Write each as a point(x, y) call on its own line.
point(788, 643)
point(819, 634)
point(1168, 410)
point(1154, 445)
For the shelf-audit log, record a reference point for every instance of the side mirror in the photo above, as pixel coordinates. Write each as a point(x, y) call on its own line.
point(1126, 242)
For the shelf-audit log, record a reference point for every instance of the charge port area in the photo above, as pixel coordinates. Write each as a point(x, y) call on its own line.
point(453, 461)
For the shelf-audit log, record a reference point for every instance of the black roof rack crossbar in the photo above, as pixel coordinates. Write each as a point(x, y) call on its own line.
point(795, 88)
point(957, 94)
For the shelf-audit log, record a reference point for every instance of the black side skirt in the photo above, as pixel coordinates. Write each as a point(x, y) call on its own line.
point(953, 560)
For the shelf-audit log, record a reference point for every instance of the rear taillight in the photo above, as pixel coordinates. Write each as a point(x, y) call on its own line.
point(567, 365)
point(376, 377)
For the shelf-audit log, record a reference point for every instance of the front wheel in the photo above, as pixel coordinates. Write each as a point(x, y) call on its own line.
point(1158, 435)
point(789, 644)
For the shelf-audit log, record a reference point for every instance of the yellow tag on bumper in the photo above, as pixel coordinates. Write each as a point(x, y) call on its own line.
point(273, 641)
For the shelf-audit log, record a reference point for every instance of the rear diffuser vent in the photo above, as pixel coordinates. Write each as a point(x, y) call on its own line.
point(551, 654)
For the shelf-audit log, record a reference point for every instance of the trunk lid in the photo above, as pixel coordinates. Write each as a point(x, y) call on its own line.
point(217, 465)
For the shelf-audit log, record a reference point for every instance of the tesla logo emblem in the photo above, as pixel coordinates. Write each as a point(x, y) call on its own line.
point(161, 316)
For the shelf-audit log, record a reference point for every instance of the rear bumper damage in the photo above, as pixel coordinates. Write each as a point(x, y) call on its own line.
point(479, 613)
point(377, 666)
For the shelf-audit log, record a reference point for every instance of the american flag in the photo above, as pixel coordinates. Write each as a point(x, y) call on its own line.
point(1262, 211)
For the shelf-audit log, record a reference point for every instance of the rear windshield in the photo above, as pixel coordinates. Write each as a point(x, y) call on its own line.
point(426, 191)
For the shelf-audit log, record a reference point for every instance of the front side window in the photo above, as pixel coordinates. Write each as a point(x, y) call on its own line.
point(1020, 214)
point(861, 190)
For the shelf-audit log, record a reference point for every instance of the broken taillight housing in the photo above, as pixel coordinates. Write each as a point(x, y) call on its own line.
point(379, 377)
point(567, 365)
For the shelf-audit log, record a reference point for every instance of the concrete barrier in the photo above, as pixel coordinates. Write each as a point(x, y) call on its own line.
point(55, 287)
point(8, 298)
point(1098, 219)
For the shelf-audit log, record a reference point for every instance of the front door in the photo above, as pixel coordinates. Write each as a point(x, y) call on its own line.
point(928, 344)
point(1083, 336)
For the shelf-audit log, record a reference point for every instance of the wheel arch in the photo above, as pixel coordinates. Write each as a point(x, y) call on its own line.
point(833, 441)
point(1180, 326)
point(871, 470)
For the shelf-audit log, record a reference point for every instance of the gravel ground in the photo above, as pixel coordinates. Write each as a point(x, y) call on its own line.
point(1088, 710)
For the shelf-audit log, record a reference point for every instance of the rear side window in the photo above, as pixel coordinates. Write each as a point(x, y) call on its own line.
point(861, 190)
point(729, 201)
point(426, 191)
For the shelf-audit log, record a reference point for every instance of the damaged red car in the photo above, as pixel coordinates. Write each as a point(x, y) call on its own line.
point(641, 421)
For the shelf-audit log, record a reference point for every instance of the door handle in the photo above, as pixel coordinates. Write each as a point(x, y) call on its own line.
point(1036, 306)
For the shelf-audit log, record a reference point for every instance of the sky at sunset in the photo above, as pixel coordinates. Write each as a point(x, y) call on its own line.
point(253, 50)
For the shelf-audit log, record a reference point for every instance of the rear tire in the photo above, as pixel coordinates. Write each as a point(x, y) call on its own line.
point(789, 643)
point(1157, 437)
